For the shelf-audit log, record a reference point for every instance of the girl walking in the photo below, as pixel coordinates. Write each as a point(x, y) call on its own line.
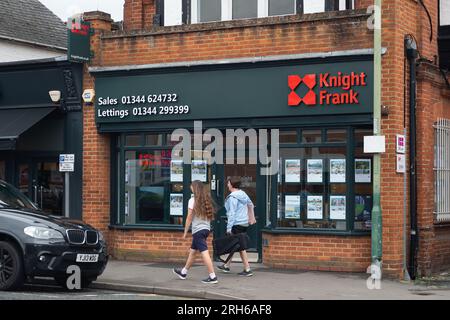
point(200, 214)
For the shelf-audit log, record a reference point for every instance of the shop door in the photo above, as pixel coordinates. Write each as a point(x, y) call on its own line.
point(42, 182)
point(252, 184)
point(49, 187)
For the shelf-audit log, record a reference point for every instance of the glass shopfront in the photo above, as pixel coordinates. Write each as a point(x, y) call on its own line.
point(321, 109)
point(323, 179)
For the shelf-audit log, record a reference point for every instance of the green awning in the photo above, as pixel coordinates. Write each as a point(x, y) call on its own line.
point(14, 122)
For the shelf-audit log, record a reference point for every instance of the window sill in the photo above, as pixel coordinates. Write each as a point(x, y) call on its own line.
point(316, 232)
point(154, 227)
point(240, 23)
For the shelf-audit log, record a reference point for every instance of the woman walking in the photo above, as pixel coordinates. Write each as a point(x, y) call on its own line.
point(200, 214)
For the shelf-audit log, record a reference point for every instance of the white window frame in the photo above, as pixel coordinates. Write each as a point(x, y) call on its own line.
point(173, 16)
point(263, 9)
point(444, 13)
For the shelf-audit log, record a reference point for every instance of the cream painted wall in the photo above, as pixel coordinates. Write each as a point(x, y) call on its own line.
point(13, 51)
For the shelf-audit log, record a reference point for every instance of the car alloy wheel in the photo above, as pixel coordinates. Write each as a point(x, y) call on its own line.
point(11, 267)
point(6, 265)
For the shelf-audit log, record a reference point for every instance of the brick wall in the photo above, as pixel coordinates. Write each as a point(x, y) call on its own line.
point(146, 245)
point(142, 43)
point(313, 252)
point(433, 103)
point(96, 147)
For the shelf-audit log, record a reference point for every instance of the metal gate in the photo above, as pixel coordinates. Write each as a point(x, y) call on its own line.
point(442, 170)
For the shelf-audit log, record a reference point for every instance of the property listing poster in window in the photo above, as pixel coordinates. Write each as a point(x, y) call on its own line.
point(176, 171)
point(337, 170)
point(292, 170)
point(127, 203)
point(199, 170)
point(292, 207)
point(363, 171)
point(337, 207)
point(279, 207)
point(315, 207)
point(315, 170)
point(176, 204)
point(127, 171)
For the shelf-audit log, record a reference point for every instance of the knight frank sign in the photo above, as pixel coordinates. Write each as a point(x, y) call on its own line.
point(263, 89)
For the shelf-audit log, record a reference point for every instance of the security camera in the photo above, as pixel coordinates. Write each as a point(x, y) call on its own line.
point(55, 95)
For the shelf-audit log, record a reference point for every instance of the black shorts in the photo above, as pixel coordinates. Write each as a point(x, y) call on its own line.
point(244, 241)
point(199, 240)
point(238, 229)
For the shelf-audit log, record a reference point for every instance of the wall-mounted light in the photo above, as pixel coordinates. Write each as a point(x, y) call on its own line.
point(384, 110)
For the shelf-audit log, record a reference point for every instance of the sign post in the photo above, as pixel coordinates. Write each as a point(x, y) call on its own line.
point(67, 165)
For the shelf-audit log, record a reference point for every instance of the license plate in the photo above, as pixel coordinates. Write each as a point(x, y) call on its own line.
point(87, 257)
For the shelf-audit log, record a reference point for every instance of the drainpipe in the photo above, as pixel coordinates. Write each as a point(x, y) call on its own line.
point(411, 55)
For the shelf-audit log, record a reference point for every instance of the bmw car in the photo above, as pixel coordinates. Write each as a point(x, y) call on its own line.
point(34, 244)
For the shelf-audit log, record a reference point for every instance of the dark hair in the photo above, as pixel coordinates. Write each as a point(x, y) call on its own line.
point(204, 204)
point(235, 182)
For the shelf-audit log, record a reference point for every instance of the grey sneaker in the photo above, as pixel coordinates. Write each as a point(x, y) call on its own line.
point(177, 271)
point(210, 280)
point(223, 268)
point(246, 273)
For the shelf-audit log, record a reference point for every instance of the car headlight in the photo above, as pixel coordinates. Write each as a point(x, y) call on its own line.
point(43, 233)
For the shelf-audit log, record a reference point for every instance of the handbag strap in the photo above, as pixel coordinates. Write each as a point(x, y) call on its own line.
point(230, 255)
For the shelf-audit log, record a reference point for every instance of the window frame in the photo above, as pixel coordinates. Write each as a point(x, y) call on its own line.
point(119, 150)
point(189, 13)
point(350, 194)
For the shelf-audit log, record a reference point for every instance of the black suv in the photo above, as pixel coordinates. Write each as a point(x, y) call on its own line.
point(35, 244)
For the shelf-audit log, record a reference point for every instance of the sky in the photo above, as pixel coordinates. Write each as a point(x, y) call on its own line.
point(67, 8)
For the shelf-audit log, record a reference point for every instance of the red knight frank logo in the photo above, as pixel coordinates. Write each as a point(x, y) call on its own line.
point(294, 81)
point(327, 89)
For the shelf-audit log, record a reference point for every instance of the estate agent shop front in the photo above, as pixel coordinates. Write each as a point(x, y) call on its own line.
point(321, 194)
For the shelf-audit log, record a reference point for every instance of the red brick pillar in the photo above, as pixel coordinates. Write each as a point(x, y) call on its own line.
point(133, 15)
point(96, 148)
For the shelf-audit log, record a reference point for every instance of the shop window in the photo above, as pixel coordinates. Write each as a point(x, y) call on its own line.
point(337, 135)
point(243, 9)
point(363, 190)
point(150, 196)
point(133, 140)
point(360, 134)
point(24, 179)
point(153, 140)
point(313, 182)
point(311, 136)
point(281, 7)
point(312, 192)
point(289, 136)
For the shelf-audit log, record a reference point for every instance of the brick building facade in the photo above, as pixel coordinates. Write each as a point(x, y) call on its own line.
point(144, 44)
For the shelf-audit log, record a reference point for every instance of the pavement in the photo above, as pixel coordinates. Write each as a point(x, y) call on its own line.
point(265, 284)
